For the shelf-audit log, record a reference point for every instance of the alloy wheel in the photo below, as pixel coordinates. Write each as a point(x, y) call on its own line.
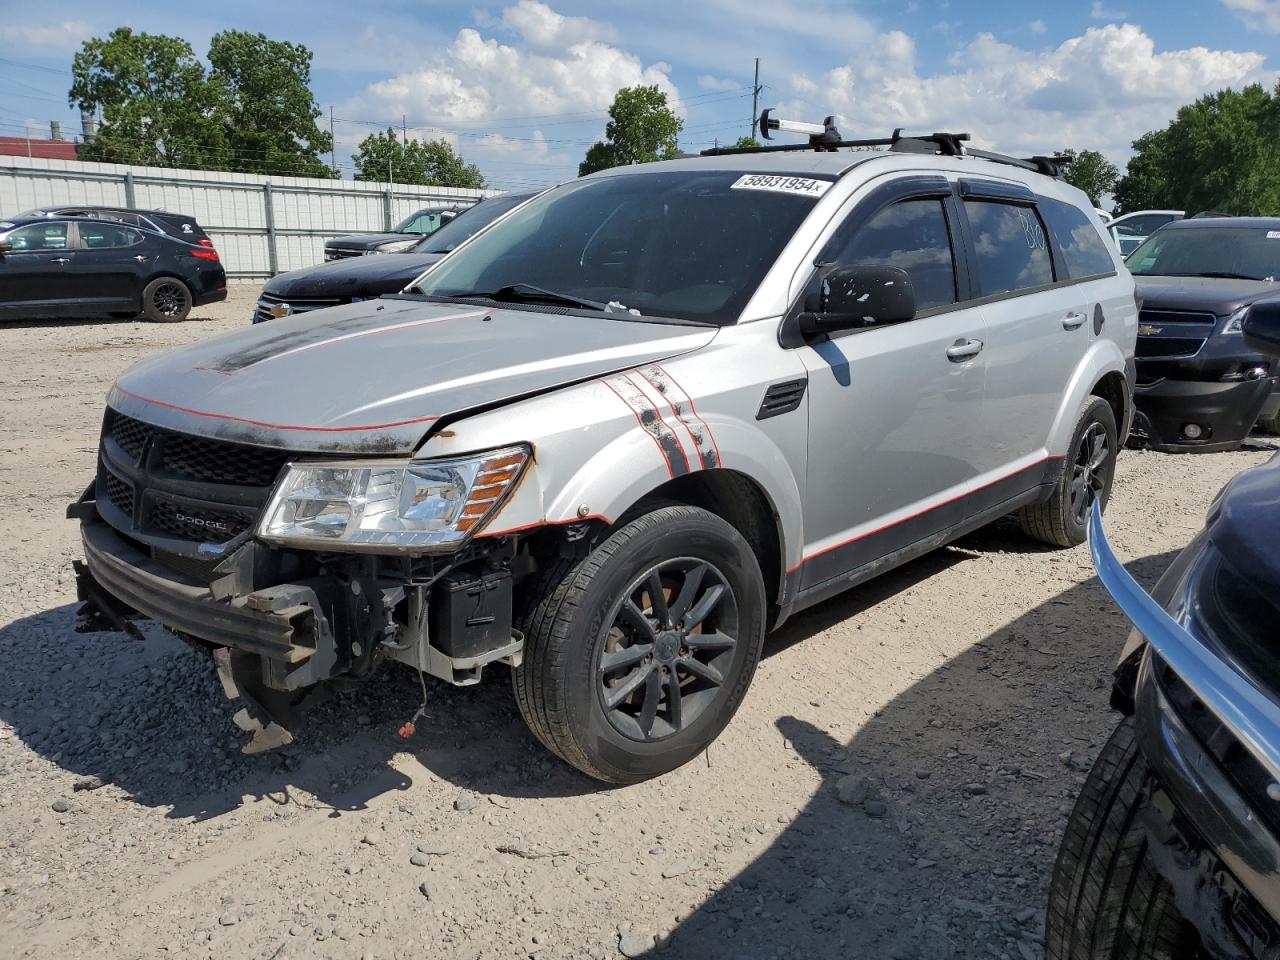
point(170, 299)
point(1089, 471)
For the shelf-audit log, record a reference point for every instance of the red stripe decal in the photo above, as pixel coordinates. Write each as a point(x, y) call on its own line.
point(661, 419)
point(640, 423)
point(272, 426)
point(921, 513)
point(694, 410)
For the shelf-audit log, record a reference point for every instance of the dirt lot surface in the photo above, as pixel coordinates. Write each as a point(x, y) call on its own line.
point(894, 786)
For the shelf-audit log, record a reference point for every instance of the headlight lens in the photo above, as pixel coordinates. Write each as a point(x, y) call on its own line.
point(406, 507)
point(1235, 321)
point(395, 246)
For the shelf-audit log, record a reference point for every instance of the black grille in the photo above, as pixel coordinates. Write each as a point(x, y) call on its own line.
point(1176, 316)
point(129, 434)
point(263, 313)
point(119, 493)
point(215, 461)
point(198, 523)
point(781, 398)
point(1169, 346)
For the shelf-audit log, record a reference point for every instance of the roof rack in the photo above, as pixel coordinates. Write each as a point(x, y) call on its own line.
point(825, 137)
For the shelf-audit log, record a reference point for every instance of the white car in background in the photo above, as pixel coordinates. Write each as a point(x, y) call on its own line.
point(1130, 230)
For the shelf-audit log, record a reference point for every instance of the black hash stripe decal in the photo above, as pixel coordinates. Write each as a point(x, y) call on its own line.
point(682, 406)
point(652, 423)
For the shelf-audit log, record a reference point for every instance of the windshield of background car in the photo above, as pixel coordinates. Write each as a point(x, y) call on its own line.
point(682, 244)
point(468, 223)
point(423, 222)
point(1141, 226)
point(1249, 252)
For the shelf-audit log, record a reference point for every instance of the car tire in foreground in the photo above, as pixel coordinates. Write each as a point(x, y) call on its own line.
point(166, 300)
point(638, 655)
point(1106, 900)
point(1086, 476)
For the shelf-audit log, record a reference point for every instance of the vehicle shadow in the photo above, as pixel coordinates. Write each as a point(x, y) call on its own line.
point(197, 315)
point(943, 842)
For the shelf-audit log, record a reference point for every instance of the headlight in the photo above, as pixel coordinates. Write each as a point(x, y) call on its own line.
point(395, 246)
point(379, 505)
point(1235, 321)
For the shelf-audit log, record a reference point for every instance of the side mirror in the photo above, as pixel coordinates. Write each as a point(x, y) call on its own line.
point(860, 296)
point(1261, 328)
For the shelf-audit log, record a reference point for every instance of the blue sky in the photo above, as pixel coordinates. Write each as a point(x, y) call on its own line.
point(522, 87)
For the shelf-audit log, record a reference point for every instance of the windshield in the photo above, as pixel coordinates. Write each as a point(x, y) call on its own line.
point(681, 244)
point(468, 223)
point(424, 222)
point(1250, 253)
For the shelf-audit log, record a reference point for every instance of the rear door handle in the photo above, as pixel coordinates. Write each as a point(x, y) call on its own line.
point(963, 350)
point(60, 260)
point(141, 259)
point(1073, 320)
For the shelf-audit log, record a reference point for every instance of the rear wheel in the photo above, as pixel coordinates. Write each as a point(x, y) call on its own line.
point(637, 656)
point(1106, 900)
point(166, 300)
point(1086, 477)
point(1271, 425)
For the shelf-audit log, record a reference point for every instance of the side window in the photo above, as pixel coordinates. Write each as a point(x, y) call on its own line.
point(1084, 250)
point(1010, 245)
point(105, 236)
point(913, 235)
point(36, 237)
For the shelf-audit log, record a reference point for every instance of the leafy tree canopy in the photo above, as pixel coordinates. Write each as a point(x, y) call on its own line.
point(641, 129)
point(1091, 172)
point(429, 162)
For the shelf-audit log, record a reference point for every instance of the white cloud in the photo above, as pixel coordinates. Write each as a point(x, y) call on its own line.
point(1261, 15)
point(542, 28)
point(59, 37)
point(1100, 90)
point(1099, 11)
point(1037, 26)
point(707, 82)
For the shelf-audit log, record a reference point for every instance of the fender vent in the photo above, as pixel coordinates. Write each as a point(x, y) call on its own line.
point(781, 398)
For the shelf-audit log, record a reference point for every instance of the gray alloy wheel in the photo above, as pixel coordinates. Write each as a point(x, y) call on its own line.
point(166, 300)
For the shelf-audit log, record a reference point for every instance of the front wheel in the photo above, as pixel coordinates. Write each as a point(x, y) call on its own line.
point(1087, 475)
point(166, 300)
point(637, 656)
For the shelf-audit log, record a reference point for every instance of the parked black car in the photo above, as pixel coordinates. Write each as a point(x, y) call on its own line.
point(1173, 848)
point(177, 225)
point(405, 235)
point(53, 266)
point(1200, 388)
point(345, 281)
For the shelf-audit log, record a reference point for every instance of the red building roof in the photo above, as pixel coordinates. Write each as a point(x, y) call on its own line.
point(50, 149)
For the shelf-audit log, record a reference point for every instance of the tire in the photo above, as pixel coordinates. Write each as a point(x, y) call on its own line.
point(579, 707)
point(1063, 519)
point(1271, 426)
point(166, 300)
point(1106, 901)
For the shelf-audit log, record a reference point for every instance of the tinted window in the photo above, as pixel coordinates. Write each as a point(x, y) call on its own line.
point(686, 244)
point(1083, 249)
point(103, 236)
point(421, 222)
point(1010, 246)
point(38, 236)
point(912, 235)
point(469, 222)
point(1142, 226)
point(1248, 252)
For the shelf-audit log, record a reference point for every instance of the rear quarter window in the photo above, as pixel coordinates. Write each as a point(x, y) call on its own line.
point(1084, 251)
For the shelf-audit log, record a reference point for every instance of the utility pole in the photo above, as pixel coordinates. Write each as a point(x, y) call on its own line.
point(404, 131)
point(755, 100)
point(333, 143)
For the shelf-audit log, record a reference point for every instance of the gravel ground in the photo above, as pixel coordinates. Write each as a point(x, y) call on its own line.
point(894, 786)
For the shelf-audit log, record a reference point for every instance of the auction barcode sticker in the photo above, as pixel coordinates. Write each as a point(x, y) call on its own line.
point(1273, 234)
point(804, 186)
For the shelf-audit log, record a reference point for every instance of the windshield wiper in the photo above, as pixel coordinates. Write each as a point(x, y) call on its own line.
point(1219, 274)
point(528, 293)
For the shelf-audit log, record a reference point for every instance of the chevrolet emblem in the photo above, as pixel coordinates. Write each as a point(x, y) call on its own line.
point(1147, 330)
point(280, 310)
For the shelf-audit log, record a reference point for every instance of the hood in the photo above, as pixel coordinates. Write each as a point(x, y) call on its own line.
point(363, 241)
point(1220, 295)
point(1243, 524)
point(374, 377)
point(351, 277)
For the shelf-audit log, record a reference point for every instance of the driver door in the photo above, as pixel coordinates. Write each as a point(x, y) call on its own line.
point(35, 274)
point(896, 428)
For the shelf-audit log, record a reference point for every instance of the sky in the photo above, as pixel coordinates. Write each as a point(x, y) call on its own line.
point(522, 88)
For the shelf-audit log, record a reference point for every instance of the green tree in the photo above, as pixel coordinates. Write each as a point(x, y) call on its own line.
point(641, 129)
point(266, 105)
point(1143, 186)
point(745, 142)
point(1091, 172)
point(429, 162)
point(158, 106)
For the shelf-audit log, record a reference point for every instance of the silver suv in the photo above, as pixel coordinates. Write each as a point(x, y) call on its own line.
point(621, 434)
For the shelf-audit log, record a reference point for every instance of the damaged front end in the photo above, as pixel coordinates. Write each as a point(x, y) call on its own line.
point(168, 529)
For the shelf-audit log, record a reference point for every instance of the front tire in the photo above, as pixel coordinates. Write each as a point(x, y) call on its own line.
point(166, 300)
point(1106, 900)
point(637, 656)
point(1090, 468)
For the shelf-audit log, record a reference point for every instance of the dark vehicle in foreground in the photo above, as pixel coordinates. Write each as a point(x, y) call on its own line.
point(357, 278)
point(1173, 848)
point(53, 266)
point(401, 239)
point(1200, 387)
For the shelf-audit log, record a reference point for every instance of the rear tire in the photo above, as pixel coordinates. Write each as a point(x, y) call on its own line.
point(624, 687)
point(1090, 468)
point(1106, 900)
point(166, 300)
point(1271, 426)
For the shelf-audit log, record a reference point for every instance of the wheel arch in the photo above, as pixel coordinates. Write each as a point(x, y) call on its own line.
point(1100, 373)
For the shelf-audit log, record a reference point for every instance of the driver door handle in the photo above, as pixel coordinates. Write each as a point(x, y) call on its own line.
point(60, 260)
point(963, 350)
point(141, 259)
point(1073, 320)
